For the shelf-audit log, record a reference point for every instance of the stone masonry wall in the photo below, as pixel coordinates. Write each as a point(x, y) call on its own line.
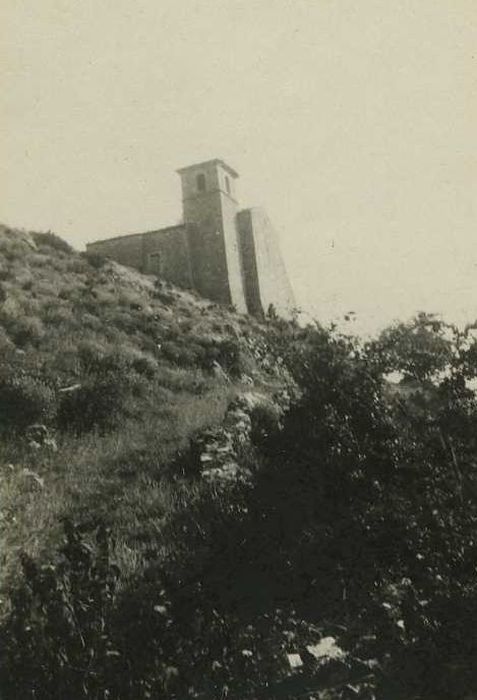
point(207, 249)
point(126, 250)
point(166, 254)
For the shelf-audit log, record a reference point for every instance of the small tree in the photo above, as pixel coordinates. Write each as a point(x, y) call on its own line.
point(419, 348)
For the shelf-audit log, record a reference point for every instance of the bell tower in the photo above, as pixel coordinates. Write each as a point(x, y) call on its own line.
point(210, 209)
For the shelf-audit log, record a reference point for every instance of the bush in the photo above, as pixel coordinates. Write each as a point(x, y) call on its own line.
point(57, 642)
point(39, 260)
point(56, 315)
point(52, 241)
point(130, 299)
point(265, 419)
point(179, 354)
point(144, 364)
point(15, 244)
point(227, 353)
point(98, 404)
point(24, 400)
point(78, 264)
point(91, 321)
point(95, 260)
point(91, 353)
point(24, 330)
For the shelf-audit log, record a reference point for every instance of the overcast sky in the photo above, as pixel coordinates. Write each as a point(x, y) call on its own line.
point(352, 122)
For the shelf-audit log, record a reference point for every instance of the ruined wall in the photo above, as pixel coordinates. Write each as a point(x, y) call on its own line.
point(265, 275)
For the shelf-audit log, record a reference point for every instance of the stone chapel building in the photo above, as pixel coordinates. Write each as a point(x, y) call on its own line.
point(227, 254)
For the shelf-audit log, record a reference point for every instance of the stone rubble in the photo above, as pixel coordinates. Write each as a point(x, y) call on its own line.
point(218, 448)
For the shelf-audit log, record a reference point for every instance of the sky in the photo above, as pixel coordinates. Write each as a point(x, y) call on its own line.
point(352, 122)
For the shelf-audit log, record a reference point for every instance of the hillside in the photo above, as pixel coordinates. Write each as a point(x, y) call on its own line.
point(122, 370)
point(196, 504)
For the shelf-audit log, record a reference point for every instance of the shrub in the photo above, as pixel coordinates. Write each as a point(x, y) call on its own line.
point(78, 264)
point(104, 296)
point(95, 260)
point(98, 404)
point(227, 354)
point(130, 298)
point(98, 358)
point(24, 399)
point(418, 348)
point(58, 631)
point(91, 321)
point(183, 355)
point(58, 316)
point(91, 353)
point(39, 260)
point(24, 330)
point(52, 241)
point(265, 419)
point(15, 244)
point(46, 288)
point(123, 319)
point(144, 364)
point(60, 262)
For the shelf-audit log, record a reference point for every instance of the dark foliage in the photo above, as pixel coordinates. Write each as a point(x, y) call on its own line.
point(25, 398)
point(98, 404)
point(361, 524)
point(58, 632)
point(95, 260)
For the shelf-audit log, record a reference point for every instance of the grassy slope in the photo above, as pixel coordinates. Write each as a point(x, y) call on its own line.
point(64, 319)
